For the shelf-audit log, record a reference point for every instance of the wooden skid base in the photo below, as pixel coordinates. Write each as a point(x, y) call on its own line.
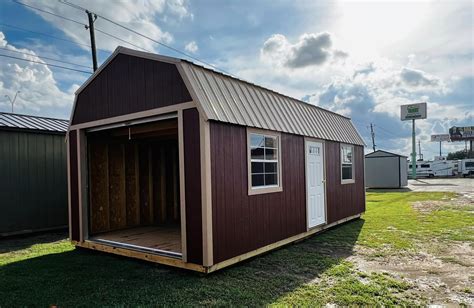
point(199, 268)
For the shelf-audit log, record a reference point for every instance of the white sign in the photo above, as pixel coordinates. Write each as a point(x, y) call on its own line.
point(413, 111)
point(440, 137)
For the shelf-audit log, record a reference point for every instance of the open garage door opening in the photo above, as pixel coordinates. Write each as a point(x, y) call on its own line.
point(134, 187)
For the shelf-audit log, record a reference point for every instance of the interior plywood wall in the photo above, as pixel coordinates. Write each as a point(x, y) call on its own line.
point(132, 183)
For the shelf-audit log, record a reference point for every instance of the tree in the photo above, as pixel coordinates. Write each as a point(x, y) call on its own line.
point(457, 155)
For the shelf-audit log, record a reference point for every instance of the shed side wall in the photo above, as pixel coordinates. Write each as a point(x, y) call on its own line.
point(73, 178)
point(242, 223)
point(343, 200)
point(33, 181)
point(192, 169)
point(382, 172)
point(130, 84)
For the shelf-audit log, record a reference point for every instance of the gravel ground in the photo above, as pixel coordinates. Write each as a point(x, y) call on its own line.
point(459, 185)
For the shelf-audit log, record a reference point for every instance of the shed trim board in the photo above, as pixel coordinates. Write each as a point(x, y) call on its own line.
point(68, 164)
point(82, 163)
point(306, 140)
point(165, 260)
point(263, 190)
point(206, 192)
point(182, 190)
point(222, 107)
point(134, 116)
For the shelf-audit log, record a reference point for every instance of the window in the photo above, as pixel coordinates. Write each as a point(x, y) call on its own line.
point(425, 166)
point(347, 167)
point(264, 166)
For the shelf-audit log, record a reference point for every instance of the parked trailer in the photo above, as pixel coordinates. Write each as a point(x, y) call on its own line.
point(467, 167)
point(433, 168)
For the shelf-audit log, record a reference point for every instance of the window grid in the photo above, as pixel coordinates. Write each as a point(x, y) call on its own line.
point(264, 168)
point(347, 168)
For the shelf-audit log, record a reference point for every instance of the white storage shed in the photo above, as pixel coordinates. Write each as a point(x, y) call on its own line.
point(385, 170)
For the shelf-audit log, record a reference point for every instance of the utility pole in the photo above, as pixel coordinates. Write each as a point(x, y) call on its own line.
point(373, 136)
point(12, 101)
point(419, 151)
point(92, 18)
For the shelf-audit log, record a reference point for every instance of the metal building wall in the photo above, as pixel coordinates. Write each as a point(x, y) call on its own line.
point(33, 182)
point(382, 172)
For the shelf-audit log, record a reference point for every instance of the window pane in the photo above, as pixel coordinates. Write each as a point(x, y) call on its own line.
point(271, 179)
point(346, 154)
point(347, 172)
point(270, 154)
point(270, 167)
point(256, 140)
point(270, 142)
point(256, 153)
point(257, 167)
point(257, 180)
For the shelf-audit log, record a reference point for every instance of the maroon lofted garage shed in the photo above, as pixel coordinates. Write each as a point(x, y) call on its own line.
point(181, 165)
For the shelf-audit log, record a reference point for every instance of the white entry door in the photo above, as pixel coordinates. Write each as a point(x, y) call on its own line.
point(315, 184)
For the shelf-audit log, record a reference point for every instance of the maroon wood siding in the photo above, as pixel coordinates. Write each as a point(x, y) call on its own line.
point(73, 171)
point(130, 84)
point(243, 223)
point(348, 199)
point(192, 169)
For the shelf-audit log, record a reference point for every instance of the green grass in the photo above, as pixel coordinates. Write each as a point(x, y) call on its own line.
point(40, 270)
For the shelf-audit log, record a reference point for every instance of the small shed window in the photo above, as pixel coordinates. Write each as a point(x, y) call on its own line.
point(347, 166)
point(264, 162)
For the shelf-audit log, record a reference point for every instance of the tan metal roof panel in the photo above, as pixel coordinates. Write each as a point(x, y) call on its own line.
point(227, 99)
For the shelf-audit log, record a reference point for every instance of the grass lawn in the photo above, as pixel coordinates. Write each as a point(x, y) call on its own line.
point(312, 272)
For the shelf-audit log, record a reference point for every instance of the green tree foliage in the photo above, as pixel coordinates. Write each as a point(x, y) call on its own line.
point(457, 155)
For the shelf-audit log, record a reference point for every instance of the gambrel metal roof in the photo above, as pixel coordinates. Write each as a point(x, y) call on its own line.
point(228, 99)
point(224, 98)
point(28, 122)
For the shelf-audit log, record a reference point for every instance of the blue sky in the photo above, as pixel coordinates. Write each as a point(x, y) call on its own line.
point(359, 58)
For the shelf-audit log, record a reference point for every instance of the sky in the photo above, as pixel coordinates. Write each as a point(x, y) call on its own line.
point(362, 59)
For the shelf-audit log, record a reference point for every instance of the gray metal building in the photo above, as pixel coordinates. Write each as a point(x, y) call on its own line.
point(33, 174)
point(385, 170)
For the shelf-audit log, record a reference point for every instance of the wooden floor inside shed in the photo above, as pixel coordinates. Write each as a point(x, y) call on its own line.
point(166, 238)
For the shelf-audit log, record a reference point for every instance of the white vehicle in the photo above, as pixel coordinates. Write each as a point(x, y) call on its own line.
point(467, 167)
point(433, 168)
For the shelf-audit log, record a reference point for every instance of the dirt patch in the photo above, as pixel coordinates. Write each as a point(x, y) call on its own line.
point(463, 200)
point(443, 279)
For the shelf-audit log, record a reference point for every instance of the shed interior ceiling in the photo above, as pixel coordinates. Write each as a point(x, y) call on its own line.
point(134, 185)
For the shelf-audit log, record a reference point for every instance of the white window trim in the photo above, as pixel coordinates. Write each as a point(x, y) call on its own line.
point(264, 189)
point(347, 181)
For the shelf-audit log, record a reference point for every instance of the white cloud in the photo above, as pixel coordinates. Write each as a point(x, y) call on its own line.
point(140, 17)
point(191, 47)
point(40, 93)
point(310, 50)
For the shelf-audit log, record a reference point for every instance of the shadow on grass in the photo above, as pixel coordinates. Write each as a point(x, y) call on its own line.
point(19, 242)
point(388, 190)
point(82, 277)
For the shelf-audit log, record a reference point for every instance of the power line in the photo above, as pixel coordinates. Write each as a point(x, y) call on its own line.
point(144, 36)
point(119, 39)
point(47, 64)
point(45, 34)
point(42, 57)
point(50, 13)
point(386, 130)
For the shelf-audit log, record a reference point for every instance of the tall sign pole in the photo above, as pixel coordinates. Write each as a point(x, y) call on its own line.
point(440, 138)
point(413, 112)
